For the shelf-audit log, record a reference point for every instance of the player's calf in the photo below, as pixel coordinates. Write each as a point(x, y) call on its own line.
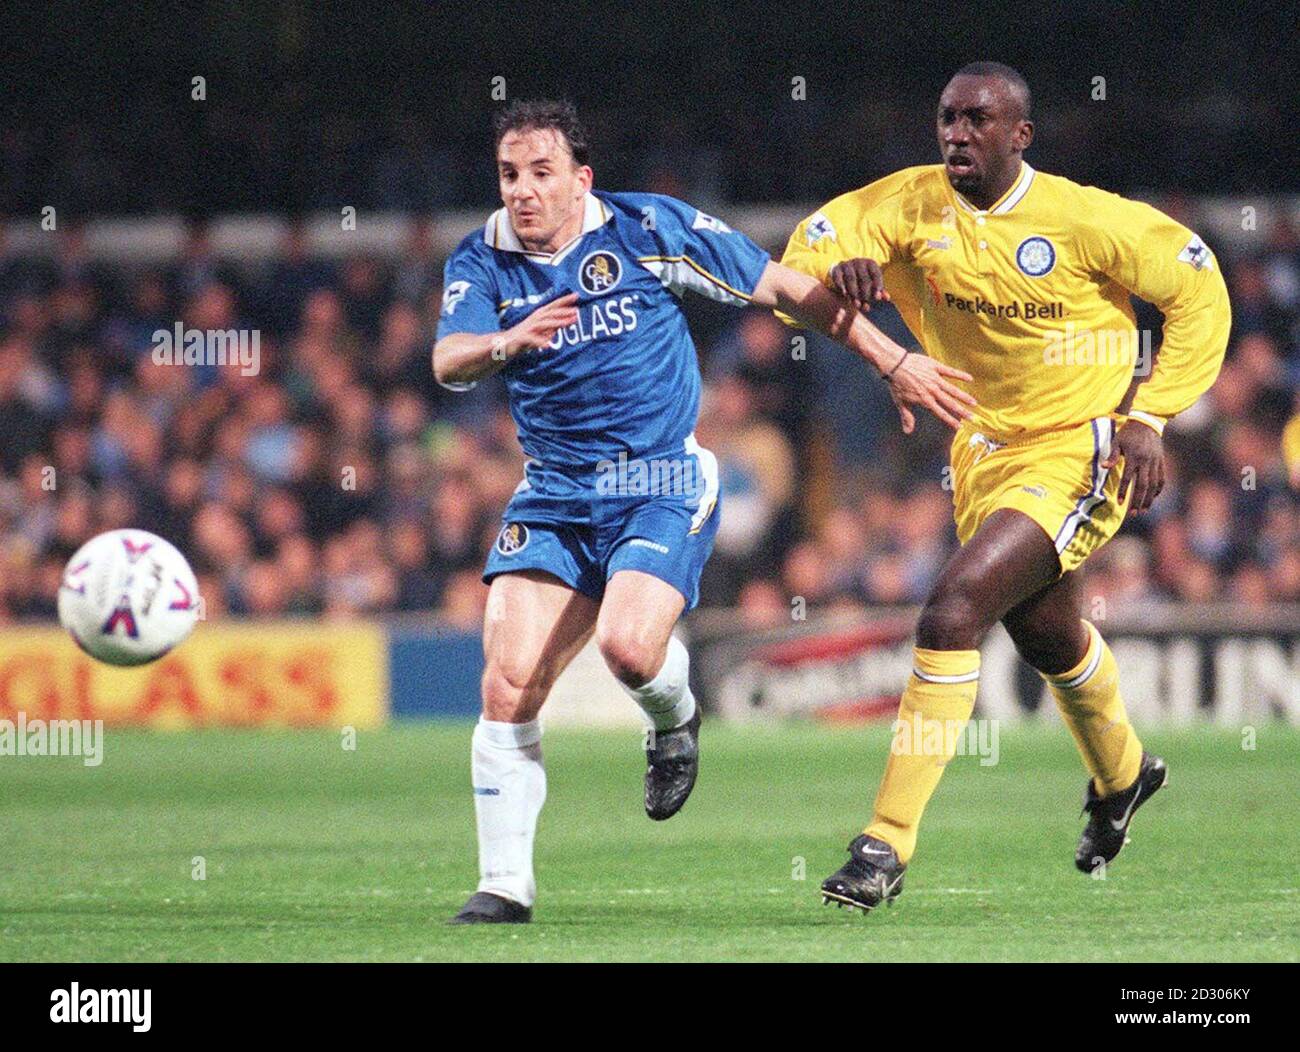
point(673, 747)
point(510, 696)
point(634, 634)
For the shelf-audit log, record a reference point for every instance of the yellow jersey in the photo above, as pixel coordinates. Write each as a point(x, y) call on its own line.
point(1031, 295)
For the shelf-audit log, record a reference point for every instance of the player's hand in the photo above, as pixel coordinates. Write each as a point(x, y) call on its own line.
point(540, 327)
point(920, 380)
point(861, 281)
point(1143, 453)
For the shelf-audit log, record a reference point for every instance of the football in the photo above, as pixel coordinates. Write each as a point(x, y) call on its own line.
point(127, 597)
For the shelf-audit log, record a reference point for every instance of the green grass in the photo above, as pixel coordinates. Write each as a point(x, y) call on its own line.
point(316, 853)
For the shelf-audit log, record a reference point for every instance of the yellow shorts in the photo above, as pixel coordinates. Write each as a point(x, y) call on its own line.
point(1054, 477)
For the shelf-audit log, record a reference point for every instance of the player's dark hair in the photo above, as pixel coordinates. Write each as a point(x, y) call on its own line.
point(1006, 73)
point(559, 116)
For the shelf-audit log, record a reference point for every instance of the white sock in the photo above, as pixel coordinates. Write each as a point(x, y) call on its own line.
point(509, 790)
point(667, 699)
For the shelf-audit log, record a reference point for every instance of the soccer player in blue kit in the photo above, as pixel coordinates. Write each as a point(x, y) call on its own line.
point(572, 295)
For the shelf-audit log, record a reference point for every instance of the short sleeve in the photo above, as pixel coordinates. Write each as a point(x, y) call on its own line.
point(696, 252)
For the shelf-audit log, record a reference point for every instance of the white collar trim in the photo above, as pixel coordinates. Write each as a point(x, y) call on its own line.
point(499, 234)
point(1009, 200)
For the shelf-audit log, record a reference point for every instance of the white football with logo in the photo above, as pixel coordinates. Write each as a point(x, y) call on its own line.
point(127, 597)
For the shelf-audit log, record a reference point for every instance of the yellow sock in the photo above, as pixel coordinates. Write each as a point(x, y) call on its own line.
point(938, 701)
point(1089, 699)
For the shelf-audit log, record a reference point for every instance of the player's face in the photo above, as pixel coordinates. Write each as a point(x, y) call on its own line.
point(981, 134)
point(542, 187)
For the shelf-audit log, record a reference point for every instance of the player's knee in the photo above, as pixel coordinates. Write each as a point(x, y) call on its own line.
point(633, 658)
point(951, 619)
point(512, 693)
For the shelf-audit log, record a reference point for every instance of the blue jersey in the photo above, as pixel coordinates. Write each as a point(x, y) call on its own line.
point(624, 378)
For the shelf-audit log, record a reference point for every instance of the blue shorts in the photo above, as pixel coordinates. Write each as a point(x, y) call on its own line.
point(658, 516)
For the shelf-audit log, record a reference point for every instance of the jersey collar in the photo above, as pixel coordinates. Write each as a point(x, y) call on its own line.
point(499, 234)
point(1007, 201)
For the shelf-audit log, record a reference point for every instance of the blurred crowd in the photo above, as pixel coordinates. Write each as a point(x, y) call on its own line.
point(340, 480)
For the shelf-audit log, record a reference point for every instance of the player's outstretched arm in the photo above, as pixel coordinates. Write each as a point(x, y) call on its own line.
point(914, 379)
point(465, 357)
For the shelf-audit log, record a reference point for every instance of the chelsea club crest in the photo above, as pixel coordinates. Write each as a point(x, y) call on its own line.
point(513, 538)
point(1035, 256)
point(599, 272)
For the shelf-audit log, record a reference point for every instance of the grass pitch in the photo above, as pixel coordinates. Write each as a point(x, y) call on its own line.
point(311, 852)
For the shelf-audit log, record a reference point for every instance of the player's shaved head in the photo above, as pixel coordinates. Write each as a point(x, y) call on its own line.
point(1016, 84)
point(983, 127)
point(558, 116)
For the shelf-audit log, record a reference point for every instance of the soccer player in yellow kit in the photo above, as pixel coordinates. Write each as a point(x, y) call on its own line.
point(1022, 279)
